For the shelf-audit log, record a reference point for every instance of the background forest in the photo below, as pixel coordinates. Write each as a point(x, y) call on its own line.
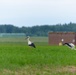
point(38, 30)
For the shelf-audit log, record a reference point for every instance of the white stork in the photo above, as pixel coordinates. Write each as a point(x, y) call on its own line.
point(30, 43)
point(70, 45)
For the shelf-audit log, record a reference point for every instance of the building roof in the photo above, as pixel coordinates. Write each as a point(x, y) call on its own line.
point(62, 32)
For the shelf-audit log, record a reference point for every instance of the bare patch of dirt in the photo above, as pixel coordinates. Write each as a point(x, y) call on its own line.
point(71, 69)
point(39, 71)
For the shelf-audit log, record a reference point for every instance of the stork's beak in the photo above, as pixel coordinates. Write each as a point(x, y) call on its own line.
point(26, 38)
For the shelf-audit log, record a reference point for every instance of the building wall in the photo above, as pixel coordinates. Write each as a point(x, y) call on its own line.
point(55, 38)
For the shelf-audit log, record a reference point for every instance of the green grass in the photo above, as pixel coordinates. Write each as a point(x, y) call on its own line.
point(16, 58)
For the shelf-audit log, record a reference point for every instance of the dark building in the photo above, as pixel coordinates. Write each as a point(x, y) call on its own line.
point(57, 38)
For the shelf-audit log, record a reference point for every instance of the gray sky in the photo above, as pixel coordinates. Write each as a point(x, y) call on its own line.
point(37, 12)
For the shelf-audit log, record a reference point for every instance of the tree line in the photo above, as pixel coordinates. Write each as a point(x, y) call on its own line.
point(38, 30)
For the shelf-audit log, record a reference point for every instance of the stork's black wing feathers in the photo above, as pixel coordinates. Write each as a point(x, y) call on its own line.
point(33, 45)
point(67, 44)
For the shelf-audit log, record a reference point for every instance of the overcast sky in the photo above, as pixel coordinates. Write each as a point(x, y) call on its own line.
point(37, 12)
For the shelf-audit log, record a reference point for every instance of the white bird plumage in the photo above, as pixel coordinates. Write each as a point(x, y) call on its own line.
point(70, 45)
point(30, 43)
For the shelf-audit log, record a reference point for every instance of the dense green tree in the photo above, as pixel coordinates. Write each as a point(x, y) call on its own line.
point(41, 30)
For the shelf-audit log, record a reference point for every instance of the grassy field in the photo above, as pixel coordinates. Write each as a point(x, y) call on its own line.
point(16, 58)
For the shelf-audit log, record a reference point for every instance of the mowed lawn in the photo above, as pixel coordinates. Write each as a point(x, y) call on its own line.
point(17, 58)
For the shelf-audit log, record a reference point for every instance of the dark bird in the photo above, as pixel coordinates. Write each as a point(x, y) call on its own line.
point(70, 45)
point(30, 43)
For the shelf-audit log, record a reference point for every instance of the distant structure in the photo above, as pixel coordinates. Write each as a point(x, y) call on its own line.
point(59, 38)
point(12, 34)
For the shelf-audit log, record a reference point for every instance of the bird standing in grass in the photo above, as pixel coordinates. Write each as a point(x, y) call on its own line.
point(70, 45)
point(31, 44)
